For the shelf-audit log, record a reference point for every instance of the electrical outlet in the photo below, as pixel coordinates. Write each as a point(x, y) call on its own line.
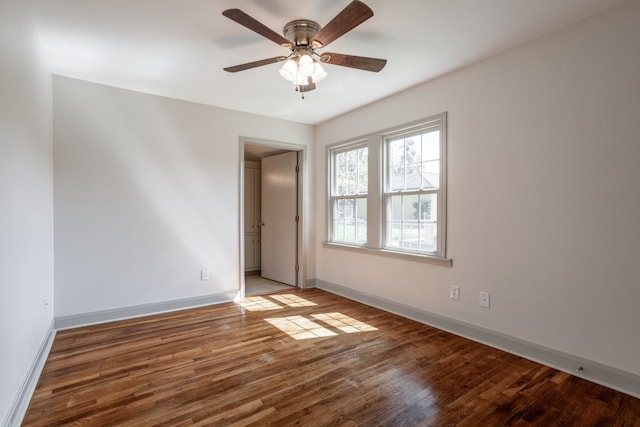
point(204, 274)
point(484, 299)
point(454, 292)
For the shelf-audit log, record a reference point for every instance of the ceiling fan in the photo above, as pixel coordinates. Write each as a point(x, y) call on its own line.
point(303, 66)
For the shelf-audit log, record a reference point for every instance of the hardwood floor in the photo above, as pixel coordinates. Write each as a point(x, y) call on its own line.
point(303, 357)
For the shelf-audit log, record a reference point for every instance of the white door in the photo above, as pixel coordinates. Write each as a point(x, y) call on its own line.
point(279, 211)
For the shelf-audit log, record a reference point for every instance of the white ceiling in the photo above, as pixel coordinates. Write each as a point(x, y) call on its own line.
point(177, 48)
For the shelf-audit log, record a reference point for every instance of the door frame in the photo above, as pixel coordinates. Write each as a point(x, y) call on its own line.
point(303, 205)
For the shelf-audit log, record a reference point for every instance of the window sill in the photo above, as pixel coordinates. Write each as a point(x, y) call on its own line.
point(407, 256)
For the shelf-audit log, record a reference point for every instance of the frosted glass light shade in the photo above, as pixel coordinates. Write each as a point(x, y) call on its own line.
point(289, 70)
point(306, 65)
point(318, 74)
point(302, 70)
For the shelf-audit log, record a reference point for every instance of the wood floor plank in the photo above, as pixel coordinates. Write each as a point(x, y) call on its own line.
point(303, 357)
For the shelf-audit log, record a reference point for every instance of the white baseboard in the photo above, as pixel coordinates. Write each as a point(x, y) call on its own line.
point(21, 402)
point(607, 376)
point(104, 316)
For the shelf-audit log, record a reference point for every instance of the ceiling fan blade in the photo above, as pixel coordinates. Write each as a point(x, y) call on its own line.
point(254, 64)
point(350, 17)
point(245, 20)
point(359, 62)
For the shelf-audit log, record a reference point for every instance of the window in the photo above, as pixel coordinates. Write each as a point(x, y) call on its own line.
point(398, 177)
point(349, 188)
point(412, 190)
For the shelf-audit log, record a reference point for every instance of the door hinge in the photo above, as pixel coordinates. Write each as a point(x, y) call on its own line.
point(297, 218)
point(297, 267)
point(297, 168)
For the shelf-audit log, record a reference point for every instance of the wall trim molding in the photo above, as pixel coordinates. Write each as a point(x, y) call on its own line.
point(18, 408)
point(104, 316)
point(617, 379)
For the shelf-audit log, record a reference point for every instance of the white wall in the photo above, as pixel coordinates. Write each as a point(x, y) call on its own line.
point(26, 200)
point(146, 194)
point(544, 193)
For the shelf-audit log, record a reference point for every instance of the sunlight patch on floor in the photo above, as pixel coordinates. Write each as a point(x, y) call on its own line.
point(300, 328)
point(292, 300)
point(344, 323)
point(259, 304)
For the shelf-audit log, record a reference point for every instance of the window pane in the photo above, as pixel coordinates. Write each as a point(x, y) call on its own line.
point(361, 221)
point(396, 164)
point(394, 221)
point(428, 222)
point(340, 167)
point(350, 179)
point(350, 220)
point(431, 159)
point(412, 222)
point(410, 226)
point(338, 220)
point(363, 168)
point(414, 162)
point(350, 172)
point(352, 169)
point(349, 209)
point(413, 166)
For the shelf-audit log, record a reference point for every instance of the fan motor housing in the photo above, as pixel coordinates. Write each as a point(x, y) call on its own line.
point(301, 31)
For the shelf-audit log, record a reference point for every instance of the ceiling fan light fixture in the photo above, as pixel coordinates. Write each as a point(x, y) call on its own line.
point(306, 65)
point(289, 70)
point(303, 67)
point(318, 73)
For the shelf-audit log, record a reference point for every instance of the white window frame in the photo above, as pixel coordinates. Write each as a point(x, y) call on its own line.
point(435, 123)
point(376, 207)
point(334, 197)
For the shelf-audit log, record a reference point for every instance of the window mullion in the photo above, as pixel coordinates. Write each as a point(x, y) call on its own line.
point(375, 174)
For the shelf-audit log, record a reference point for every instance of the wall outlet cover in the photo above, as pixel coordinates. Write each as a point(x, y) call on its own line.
point(484, 299)
point(454, 292)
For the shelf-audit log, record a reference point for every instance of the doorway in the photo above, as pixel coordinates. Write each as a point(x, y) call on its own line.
point(271, 238)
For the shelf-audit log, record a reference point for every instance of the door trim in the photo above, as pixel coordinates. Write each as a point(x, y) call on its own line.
point(303, 206)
